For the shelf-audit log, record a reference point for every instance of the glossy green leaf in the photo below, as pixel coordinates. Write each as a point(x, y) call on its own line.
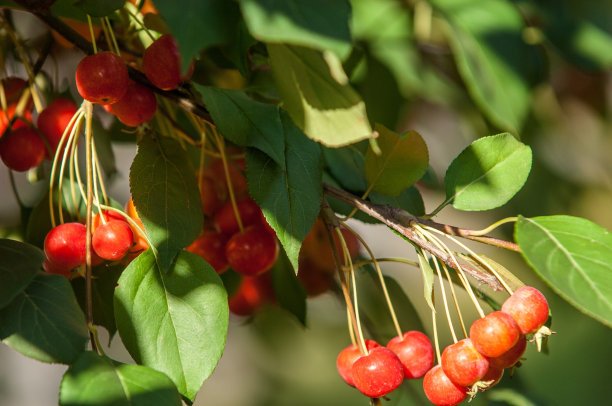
point(403, 161)
point(289, 195)
point(487, 173)
point(328, 111)
point(44, 321)
point(19, 265)
point(495, 62)
point(319, 24)
point(574, 256)
point(428, 279)
point(244, 121)
point(198, 24)
point(410, 200)
point(99, 8)
point(346, 165)
point(165, 192)
point(287, 288)
point(174, 321)
point(99, 381)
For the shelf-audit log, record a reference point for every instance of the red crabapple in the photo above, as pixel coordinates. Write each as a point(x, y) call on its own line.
point(528, 307)
point(161, 63)
point(210, 245)
point(22, 149)
point(512, 356)
point(348, 356)
point(102, 78)
point(54, 119)
point(65, 246)
point(463, 364)
point(112, 240)
point(415, 351)
point(378, 373)
point(253, 251)
point(137, 106)
point(440, 390)
point(494, 334)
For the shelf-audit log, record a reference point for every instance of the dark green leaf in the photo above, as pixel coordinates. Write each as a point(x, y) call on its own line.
point(198, 24)
point(244, 121)
point(289, 195)
point(487, 173)
point(574, 256)
point(287, 288)
point(410, 200)
point(99, 381)
point(19, 265)
point(403, 161)
point(319, 24)
point(165, 192)
point(494, 61)
point(174, 321)
point(44, 321)
point(346, 166)
point(318, 98)
point(99, 8)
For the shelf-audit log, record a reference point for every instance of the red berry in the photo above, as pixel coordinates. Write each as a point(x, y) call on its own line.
point(111, 241)
point(108, 215)
point(314, 279)
point(494, 334)
point(7, 116)
point(161, 63)
point(65, 246)
point(415, 351)
point(137, 106)
point(378, 373)
point(512, 356)
point(252, 293)
point(316, 245)
point(50, 267)
point(102, 78)
point(348, 356)
point(528, 307)
point(225, 217)
point(22, 149)
point(13, 89)
point(440, 390)
point(210, 196)
point(252, 251)
point(491, 378)
point(53, 120)
point(235, 168)
point(463, 364)
point(210, 245)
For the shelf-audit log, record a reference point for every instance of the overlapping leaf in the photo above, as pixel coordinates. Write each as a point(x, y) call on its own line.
point(19, 265)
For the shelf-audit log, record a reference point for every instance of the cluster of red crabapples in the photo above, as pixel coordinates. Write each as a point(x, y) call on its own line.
point(496, 342)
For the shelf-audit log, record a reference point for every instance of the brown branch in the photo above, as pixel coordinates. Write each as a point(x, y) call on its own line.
point(400, 221)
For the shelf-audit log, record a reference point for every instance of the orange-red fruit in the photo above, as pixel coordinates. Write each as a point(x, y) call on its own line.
point(494, 334)
point(53, 120)
point(316, 245)
point(463, 364)
point(137, 106)
point(415, 351)
point(7, 116)
point(253, 251)
point(528, 307)
point(210, 245)
point(440, 390)
point(348, 356)
point(512, 356)
point(65, 246)
point(102, 78)
point(378, 373)
point(225, 217)
point(252, 293)
point(22, 149)
point(493, 376)
point(161, 63)
point(13, 88)
point(112, 240)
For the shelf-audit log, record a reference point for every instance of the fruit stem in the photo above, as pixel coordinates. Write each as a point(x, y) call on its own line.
point(228, 179)
point(92, 35)
point(457, 308)
point(435, 327)
point(378, 271)
point(111, 35)
point(493, 226)
point(140, 23)
point(398, 260)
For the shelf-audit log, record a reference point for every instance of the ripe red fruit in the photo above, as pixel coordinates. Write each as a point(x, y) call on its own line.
point(225, 217)
point(108, 215)
point(210, 245)
point(7, 116)
point(440, 390)
point(378, 373)
point(491, 378)
point(528, 307)
point(22, 149)
point(235, 167)
point(512, 356)
point(65, 246)
point(50, 267)
point(53, 120)
point(252, 293)
point(314, 279)
point(316, 245)
point(494, 334)
point(111, 241)
point(161, 63)
point(13, 86)
point(209, 194)
point(253, 251)
point(415, 351)
point(348, 356)
point(102, 78)
point(137, 106)
point(463, 364)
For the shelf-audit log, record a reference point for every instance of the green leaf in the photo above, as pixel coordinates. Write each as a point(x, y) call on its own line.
point(20, 264)
point(165, 192)
point(403, 161)
point(487, 173)
point(174, 321)
point(289, 195)
point(410, 200)
point(99, 381)
point(346, 166)
point(99, 8)
point(44, 321)
point(428, 279)
point(328, 111)
point(198, 24)
point(496, 64)
point(319, 24)
point(288, 290)
point(574, 256)
point(244, 121)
